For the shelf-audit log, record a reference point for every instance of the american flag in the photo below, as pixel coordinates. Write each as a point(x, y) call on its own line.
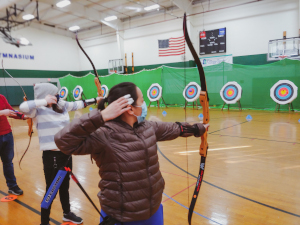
point(171, 46)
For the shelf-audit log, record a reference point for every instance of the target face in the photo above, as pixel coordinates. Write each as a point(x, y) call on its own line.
point(231, 92)
point(154, 92)
point(284, 92)
point(77, 92)
point(191, 92)
point(104, 90)
point(63, 93)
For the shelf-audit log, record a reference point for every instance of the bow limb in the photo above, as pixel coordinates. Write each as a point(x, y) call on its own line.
point(29, 121)
point(204, 101)
point(97, 79)
point(30, 132)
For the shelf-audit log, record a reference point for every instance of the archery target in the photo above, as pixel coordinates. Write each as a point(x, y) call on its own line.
point(284, 92)
point(104, 90)
point(191, 92)
point(63, 93)
point(154, 92)
point(77, 92)
point(231, 92)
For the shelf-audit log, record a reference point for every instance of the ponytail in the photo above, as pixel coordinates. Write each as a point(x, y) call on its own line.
point(102, 102)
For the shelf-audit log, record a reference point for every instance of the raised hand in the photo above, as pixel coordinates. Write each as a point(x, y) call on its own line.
point(51, 99)
point(116, 108)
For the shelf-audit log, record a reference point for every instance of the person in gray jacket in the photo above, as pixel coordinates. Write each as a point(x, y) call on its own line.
point(123, 144)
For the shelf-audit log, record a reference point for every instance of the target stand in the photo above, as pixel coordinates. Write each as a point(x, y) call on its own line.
point(284, 92)
point(238, 102)
point(186, 102)
point(231, 93)
point(290, 106)
point(154, 94)
point(84, 96)
point(70, 99)
point(158, 103)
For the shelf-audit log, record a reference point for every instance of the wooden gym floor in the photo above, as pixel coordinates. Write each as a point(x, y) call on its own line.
point(252, 172)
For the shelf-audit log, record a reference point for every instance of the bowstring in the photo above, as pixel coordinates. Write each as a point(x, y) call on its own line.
point(13, 79)
point(185, 108)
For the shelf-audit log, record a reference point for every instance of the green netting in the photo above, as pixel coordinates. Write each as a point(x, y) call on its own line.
point(174, 81)
point(255, 81)
point(142, 79)
point(85, 82)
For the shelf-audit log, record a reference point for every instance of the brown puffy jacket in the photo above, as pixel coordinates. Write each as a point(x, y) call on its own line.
point(131, 183)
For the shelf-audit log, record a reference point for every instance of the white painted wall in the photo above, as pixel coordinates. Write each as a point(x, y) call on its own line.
point(100, 50)
point(299, 16)
point(250, 27)
point(143, 42)
point(51, 51)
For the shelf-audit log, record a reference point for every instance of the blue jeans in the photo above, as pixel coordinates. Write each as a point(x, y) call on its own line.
point(156, 219)
point(7, 155)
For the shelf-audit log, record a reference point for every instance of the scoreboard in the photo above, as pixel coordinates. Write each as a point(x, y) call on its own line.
point(212, 41)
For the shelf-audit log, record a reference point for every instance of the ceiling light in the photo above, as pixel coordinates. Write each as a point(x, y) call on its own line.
point(63, 3)
point(74, 28)
point(24, 41)
point(28, 17)
point(110, 18)
point(148, 8)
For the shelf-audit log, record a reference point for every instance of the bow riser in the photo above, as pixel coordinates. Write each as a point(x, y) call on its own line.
point(98, 85)
point(205, 106)
point(30, 126)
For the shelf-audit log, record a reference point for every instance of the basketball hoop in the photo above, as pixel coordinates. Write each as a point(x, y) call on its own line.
point(282, 57)
point(286, 48)
point(115, 66)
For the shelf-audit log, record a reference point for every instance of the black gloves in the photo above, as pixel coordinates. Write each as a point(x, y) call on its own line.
point(187, 130)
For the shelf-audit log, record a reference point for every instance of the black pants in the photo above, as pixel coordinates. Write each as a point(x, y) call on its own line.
point(53, 161)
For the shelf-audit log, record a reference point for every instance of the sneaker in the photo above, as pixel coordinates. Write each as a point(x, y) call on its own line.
point(15, 190)
point(71, 217)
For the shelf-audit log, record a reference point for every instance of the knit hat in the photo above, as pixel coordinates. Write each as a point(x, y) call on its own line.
point(41, 90)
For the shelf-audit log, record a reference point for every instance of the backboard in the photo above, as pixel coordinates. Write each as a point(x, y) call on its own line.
point(115, 66)
point(284, 48)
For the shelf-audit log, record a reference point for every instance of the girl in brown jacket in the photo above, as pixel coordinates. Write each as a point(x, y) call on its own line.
point(123, 145)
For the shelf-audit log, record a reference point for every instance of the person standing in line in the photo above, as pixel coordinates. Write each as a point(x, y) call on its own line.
point(7, 144)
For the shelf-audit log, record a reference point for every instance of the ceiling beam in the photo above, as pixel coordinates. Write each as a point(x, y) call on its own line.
point(185, 5)
point(55, 30)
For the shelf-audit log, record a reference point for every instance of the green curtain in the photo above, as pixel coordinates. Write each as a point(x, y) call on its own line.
point(255, 81)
